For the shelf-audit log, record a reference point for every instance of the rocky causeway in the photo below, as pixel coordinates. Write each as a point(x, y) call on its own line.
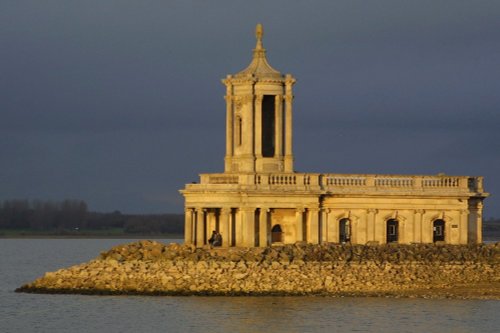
point(153, 268)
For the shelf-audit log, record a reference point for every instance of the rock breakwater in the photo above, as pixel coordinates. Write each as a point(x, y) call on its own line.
point(152, 268)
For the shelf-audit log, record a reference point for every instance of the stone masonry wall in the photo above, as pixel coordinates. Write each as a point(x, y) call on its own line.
point(148, 267)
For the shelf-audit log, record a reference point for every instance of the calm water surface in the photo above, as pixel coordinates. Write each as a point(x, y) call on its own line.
point(23, 260)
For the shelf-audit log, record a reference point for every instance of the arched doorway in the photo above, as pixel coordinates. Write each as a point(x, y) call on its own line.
point(344, 230)
point(277, 234)
point(438, 231)
point(392, 231)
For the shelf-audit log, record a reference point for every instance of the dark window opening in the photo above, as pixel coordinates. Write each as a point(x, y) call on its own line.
point(268, 125)
point(392, 231)
point(239, 137)
point(438, 231)
point(345, 230)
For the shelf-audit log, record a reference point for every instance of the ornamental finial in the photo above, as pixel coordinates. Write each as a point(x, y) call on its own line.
point(259, 32)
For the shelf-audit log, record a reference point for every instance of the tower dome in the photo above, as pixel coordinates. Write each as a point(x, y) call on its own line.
point(259, 67)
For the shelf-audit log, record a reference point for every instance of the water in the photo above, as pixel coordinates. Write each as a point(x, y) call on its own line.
point(23, 260)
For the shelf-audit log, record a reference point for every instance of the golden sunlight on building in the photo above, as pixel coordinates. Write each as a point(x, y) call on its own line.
point(259, 200)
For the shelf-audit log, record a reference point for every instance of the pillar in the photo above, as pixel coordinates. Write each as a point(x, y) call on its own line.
point(417, 227)
point(188, 226)
point(248, 221)
point(333, 228)
point(278, 100)
point(313, 226)
point(463, 226)
point(479, 222)
point(200, 227)
point(248, 134)
point(229, 125)
point(299, 224)
point(224, 226)
point(370, 230)
point(324, 225)
point(258, 126)
point(289, 81)
point(263, 228)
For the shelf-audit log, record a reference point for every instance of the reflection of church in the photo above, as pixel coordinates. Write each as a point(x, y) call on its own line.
point(259, 200)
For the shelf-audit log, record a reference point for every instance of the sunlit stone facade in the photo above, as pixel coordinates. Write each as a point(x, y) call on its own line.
point(259, 200)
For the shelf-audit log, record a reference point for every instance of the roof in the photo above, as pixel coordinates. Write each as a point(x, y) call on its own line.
point(259, 67)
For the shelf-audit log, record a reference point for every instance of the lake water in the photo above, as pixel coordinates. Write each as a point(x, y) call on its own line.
point(23, 260)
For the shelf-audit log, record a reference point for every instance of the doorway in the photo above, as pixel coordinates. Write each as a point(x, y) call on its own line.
point(438, 231)
point(277, 234)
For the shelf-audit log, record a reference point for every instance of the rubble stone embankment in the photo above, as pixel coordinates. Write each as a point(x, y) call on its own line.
point(152, 268)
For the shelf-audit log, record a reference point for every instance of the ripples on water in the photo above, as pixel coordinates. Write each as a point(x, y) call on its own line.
point(23, 260)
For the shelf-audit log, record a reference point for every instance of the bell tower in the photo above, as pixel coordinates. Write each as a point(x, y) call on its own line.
point(258, 117)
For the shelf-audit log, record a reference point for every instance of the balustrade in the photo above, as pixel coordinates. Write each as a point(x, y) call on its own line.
point(339, 181)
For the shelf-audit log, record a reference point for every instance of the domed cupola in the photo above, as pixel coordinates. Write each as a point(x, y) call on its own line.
point(259, 117)
point(259, 67)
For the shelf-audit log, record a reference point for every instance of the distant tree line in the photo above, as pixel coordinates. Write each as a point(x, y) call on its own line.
point(74, 215)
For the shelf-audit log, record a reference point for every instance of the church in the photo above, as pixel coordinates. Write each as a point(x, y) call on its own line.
point(259, 200)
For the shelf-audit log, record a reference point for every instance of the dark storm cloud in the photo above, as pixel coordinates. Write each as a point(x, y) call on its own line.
point(120, 103)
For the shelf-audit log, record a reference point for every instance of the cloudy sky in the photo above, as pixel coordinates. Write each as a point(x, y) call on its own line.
point(119, 103)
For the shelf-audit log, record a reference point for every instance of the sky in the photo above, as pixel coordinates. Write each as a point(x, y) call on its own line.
point(120, 103)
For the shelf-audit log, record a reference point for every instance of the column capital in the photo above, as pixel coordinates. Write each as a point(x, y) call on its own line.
point(225, 210)
point(372, 211)
point(247, 209)
point(419, 211)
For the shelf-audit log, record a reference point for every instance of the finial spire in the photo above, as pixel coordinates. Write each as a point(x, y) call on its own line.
point(259, 32)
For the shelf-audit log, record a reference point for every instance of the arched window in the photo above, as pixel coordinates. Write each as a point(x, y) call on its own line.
point(438, 231)
point(276, 234)
point(392, 231)
point(344, 230)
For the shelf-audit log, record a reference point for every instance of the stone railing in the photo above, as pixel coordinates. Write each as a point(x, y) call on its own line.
point(343, 182)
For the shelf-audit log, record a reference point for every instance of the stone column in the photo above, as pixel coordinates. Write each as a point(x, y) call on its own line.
point(248, 133)
point(333, 228)
point(479, 222)
point(248, 219)
point(463, 226)
point(313, 226)
point(258, 126)
point(370, 230)
point(238, 227)
point(229, 124)
point(417, 227)
point(188, 226)
point(224, 226)
point(288, 123)
point(200, 227)
point(324, 225)
point(278, 100)
point(263, 228)
point(299, 224)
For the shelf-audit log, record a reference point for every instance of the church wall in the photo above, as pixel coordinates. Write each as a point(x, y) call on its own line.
point(415, 218)
point(287, 220)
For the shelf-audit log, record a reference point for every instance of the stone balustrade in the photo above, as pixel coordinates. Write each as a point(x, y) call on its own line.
point(346, 182)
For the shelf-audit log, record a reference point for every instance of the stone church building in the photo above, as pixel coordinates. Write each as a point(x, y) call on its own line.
point(259, 199)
